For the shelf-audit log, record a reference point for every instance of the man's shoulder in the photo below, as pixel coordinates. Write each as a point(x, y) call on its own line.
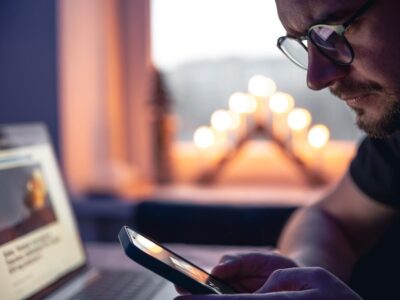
point(388, 146)
point(376, 168)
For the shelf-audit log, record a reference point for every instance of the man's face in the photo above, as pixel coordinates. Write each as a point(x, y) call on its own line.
point(371, 84)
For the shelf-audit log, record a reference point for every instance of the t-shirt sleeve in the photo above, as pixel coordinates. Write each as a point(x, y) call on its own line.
point(376, 169)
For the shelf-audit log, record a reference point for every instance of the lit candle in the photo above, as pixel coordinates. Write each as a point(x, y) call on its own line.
point(221, 122)
point(242, 104)
point(251, 104)
point(234, 119)
point(299, 119)
point(234, 126)
point(280, 104)
point(262, 88)
point(318, 137)
point(204, 139)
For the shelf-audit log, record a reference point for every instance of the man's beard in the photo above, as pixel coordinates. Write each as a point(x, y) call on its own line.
point(388, 122)
point(383, 127)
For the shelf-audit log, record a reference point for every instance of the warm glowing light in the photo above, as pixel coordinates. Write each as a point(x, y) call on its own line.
point(261, 86)
point(148, 245)
point(204, 137)
point(242, 103)
point(299, 119)
point(318, 136)
point(235, 119)
point(221, 120)
point(236, 102)
point(251, 104)
point(281, 103)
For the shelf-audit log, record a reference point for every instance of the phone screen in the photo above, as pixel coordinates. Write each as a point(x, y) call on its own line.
point(178, 263)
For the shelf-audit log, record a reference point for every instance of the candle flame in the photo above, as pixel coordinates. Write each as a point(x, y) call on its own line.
point(261, 86)
point(281, 103)
point(223, 120)
point(299, 118)
point(318, 136)
point(204, 137)
point(242, 103)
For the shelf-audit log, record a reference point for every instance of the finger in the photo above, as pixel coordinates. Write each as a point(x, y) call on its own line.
point(298, 295)
point(251, 263)
point(232, 266)
point(214, 297)
point(181, 290)
point(217, 297)
point(227, 269)
point(294, 279)
point(227, 258)
point(276, 251)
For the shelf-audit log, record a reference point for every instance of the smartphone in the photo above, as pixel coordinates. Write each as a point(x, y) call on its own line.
point(170, 265)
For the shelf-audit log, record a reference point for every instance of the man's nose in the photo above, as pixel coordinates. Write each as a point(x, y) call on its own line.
point(322, 72)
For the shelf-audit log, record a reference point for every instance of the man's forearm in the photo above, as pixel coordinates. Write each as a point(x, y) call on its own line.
point(313, 238)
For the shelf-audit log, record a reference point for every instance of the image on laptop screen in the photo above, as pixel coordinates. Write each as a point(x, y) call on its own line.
point(26, 205)
point(39, 241)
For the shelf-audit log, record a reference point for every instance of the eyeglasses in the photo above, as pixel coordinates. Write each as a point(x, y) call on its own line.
point(328, 39)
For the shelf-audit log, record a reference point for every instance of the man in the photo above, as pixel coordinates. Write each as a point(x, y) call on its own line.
point(351, 47)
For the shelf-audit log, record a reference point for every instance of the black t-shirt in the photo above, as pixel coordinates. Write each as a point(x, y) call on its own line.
point(376, 169)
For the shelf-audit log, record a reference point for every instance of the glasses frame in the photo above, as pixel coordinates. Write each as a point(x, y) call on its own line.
point(340, 29)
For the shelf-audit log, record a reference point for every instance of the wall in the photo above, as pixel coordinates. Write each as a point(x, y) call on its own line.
point(28, 67)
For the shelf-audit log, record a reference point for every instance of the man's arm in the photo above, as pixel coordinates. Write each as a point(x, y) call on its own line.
point(334, 232)
point(330, 234)
point(294, 284)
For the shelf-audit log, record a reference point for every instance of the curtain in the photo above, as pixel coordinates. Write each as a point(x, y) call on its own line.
point(105, 80)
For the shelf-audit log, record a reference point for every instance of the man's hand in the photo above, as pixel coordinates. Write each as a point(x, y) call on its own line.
point(248, 272)
point(293, 284)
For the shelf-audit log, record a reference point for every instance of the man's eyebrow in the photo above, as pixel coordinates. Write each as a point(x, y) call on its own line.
point(340, 15)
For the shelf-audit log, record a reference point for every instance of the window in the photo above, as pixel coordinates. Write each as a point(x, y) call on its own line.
point(209, 49)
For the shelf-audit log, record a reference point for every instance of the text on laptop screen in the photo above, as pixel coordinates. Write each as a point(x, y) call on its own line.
point(39, 242)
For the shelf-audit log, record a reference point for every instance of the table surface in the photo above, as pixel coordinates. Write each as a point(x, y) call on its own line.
point(111, 256)
point(268, 195)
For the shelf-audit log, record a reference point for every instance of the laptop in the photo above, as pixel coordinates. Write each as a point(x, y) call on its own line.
point(41, 252)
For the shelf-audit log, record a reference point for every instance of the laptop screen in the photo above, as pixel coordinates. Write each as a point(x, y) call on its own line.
point(39, 240)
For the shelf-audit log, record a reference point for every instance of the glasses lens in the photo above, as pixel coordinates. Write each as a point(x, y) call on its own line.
point(331, 43)
point(294, 50)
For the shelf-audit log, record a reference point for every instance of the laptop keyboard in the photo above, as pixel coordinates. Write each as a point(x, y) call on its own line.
point(117, 285)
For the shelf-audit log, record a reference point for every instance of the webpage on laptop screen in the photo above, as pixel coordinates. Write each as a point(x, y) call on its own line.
point(39, 241)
